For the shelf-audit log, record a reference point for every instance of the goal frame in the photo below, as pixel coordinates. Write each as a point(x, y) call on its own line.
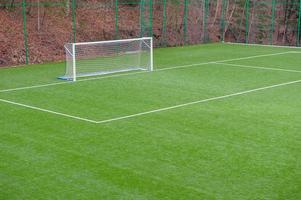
point(73, 54)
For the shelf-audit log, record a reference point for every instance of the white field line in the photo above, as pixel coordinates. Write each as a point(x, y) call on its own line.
point(151, 111)
point(47, 111)
point(258, 67)
point(32, 86)
point(261, 45)
point(221, 61)
point(140, 72)
point(68, 82)
point(198, 102)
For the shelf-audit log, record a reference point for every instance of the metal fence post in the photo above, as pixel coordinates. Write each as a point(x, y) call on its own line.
point(116, 20)
point(299, 24)
point(247, 21)
point(185, 20)
point(205, 18)
point(150, 18)
point(224, 5)
point(74, 20)
point(164, 21)
point(25, 30)
point(273, 21)
point(142, 18)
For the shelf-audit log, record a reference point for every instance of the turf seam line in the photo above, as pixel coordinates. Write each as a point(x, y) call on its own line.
point(125, 74)
point(258, 67)
point(199, 101)
point(47, 111)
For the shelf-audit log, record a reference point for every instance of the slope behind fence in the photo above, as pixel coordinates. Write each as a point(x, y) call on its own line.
point(34, 31)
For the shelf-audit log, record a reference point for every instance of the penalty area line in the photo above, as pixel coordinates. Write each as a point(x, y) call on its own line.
point(47, 111)
point(151, 111)
point(222, 61)
point(258, 67)
point(198, 102)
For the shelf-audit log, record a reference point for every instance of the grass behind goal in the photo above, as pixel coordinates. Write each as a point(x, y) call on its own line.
point(240, 147)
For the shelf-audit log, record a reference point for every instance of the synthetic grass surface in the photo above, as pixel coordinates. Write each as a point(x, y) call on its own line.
point(241, 147)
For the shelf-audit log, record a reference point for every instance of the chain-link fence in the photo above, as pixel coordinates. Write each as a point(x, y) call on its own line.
point(34, 31)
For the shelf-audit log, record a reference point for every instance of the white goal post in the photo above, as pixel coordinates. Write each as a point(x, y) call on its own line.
point(105, 57)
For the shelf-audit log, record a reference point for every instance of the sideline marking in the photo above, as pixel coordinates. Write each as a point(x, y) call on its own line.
point(151, 111)
point(257, 67)
point(222, 61)
point(47, 111)
point(158, 70)
point(199, 101)
point(262, 45)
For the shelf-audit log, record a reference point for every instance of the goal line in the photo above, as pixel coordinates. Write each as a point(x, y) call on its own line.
point(140, 72)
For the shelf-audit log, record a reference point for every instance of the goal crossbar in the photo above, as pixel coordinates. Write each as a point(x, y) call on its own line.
point(113, 41)
point(106, 57)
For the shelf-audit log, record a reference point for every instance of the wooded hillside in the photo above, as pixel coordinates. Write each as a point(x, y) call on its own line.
point(40, 28)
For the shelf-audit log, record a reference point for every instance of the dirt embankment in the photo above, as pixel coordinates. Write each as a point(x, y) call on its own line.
point(49, 28)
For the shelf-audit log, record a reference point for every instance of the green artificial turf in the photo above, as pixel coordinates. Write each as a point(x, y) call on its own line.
point(241, 147)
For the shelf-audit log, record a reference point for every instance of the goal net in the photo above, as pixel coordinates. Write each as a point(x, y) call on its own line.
point(105, 57)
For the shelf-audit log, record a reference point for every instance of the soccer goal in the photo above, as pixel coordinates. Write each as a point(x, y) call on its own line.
point(105, 57)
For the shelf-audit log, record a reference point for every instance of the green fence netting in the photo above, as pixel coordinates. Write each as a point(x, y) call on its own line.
point(34, 31)
point(44, 37)
point(12, 51)
point(263, 22)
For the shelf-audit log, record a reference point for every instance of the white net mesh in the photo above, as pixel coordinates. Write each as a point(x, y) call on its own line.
point(97, 58)
point(69, 62)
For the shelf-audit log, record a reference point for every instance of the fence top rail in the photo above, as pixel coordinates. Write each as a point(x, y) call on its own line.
point(111, 41)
